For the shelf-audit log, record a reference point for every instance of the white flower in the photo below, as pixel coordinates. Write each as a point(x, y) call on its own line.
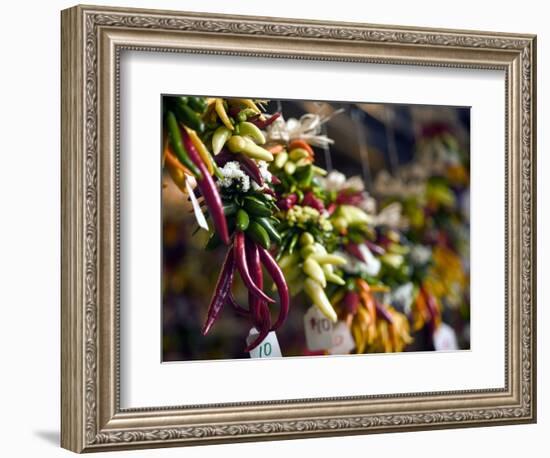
point(355, 183)
point(390, 216)
point(420, 255)
point(265, 174)
point(402, 297)
point(232, 174)
point(355, 266)
point(334, 181)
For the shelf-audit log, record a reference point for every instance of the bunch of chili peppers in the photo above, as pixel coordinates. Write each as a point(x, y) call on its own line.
point(326, 235)
point(438, 222)
point(203, 137)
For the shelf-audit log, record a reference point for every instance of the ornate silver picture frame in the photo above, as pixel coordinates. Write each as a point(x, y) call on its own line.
point(93, 39)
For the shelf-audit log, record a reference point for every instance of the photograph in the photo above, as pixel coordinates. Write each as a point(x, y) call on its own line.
point(313, 228)
point(278, 228)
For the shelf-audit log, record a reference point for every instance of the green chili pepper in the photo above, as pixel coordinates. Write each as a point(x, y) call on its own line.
point(255, 206)
point(174, 134)
point(293, 242)
point(304, 175)
point(187, 116)
point(271, 231)
point(197, 103)
point(242, 220)
point(258, 234)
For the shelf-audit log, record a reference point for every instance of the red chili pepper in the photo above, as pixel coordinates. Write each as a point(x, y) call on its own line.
point(208, 189)
point(282, 288)
point(374, 248)
point(250, 167)
point(269, 191)
point(255, 269)
point(311, 201)
point(349, 198)
point(286, 203)
point(383, 312)
point(264, 329)
point(354, 250)
point(223, 157)
point(266, 122)
point(223, 287)
point(351, 301)
point(240, 257)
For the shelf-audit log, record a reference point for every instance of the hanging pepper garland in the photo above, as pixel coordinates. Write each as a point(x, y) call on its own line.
point(274, 209)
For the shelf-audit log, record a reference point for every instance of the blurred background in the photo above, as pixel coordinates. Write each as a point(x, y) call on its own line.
point(412, 154)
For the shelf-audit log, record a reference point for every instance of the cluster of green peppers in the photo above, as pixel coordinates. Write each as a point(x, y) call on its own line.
point(253, 214)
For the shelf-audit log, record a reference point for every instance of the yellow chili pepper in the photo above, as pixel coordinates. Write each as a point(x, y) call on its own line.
point(313, 270)
point(249, 103)
point(220, 109)
point(318, 296)
point(201, 148)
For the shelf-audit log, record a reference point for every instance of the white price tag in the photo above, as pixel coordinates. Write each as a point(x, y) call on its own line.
point(445, 338)
point(269, 348)
point(199, 215)
point(318, 330)
point(342, 340)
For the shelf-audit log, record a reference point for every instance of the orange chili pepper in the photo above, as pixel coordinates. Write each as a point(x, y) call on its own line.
point(172, 161)
point(363, 285)
point(275, 149)
point(302, 144)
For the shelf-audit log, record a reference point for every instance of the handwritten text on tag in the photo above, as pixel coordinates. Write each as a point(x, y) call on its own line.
point(318, 330)
point(269, 348)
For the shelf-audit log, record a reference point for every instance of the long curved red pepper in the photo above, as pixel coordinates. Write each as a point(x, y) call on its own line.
point(255, 269)
point(354, 250)
point(383, 312)
point(266, 122)
point(250, 167)
point(351, 301)
point(208, 189)
point(242, 266)
point(223, 287)
point(264, 329)
point(374, 248)
point(278, 277)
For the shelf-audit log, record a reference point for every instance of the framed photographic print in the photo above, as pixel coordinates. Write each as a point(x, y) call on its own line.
point(277, 228)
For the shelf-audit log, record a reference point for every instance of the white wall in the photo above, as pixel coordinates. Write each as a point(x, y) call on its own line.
point(29, 225)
